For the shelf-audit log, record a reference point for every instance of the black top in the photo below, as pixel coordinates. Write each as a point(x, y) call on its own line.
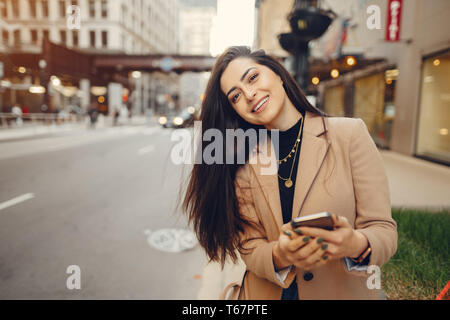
point(286, 143)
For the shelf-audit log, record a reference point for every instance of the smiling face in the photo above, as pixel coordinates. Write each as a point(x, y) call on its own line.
point(254, 91)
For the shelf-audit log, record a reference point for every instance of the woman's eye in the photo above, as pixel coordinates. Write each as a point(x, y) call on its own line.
point(234, 98)
point(253, 77)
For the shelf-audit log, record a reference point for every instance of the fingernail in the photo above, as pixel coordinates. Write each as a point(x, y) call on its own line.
point(324, 246)
point(325, 257)
point(287, 233)
point(320, 240)
point(298, 231)
point(306, 239)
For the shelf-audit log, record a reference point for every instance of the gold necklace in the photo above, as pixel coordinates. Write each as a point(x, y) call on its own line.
point(287, 181)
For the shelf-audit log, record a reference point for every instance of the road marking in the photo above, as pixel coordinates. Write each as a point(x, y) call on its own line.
point(145, 150)
point(16, 200)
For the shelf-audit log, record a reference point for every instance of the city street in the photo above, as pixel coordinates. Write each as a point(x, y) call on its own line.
point(91, 198)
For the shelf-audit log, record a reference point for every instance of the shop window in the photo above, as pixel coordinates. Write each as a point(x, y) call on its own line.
point(334, 101)
point(433, 139)
point(369, 105)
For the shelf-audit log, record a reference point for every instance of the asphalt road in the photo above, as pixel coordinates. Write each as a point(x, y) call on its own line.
point(92, 198)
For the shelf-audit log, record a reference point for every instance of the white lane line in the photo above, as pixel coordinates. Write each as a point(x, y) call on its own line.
point(145, 150)
point(16, 200)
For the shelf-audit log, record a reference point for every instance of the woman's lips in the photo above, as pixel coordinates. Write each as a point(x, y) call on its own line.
point(263, 106)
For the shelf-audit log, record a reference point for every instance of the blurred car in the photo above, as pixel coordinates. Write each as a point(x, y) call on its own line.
point(183, 119)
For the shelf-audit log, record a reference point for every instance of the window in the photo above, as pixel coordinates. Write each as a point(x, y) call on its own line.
point(92, 8)
point(433, 137)
point(104, 39)
point(62, 8)
point(92, 38)
point(34, 36)
point(5, 36)
point(16, 37)
point(4, 9)
point(75, 38)
point(104, 9)
point(46, 35)
point(334, 101)
point(15, 8)
point(45, 8)
point(32, 4)
point(63, 36)
point(368, 97)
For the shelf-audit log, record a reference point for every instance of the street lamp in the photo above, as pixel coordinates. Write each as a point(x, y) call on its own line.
point(308, 22)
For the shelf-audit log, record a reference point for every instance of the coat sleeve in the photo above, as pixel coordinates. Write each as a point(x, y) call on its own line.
point(256, 249)
point(373, 204)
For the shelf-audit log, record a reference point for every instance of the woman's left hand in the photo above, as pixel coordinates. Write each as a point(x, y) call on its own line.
point(343, 241)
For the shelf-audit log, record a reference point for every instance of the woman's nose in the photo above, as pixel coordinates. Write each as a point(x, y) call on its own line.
point(250, 94)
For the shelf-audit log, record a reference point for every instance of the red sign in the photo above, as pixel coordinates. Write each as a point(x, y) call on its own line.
point(393, 20)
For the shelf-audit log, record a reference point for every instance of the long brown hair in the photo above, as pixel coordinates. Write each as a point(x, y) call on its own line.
point(210, 201)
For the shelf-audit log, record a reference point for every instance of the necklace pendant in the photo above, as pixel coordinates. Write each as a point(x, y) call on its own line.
point(288, 183)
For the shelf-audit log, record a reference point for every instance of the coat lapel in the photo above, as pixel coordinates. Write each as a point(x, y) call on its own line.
point(312, 155)
point(313, 152)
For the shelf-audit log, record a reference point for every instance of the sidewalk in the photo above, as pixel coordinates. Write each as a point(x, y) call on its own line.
point(414, 183)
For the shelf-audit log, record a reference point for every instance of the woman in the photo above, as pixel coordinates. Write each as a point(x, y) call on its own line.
point(324, 164)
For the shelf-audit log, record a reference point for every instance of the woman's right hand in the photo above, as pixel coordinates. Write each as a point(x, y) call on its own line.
point(298, 250)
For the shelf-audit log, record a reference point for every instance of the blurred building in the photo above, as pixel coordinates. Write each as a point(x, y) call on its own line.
point(137, 27)
point(195, 22)
point(95, 27)
point(391, 61)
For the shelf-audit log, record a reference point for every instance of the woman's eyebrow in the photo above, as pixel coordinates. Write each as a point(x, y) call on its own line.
point(242, 78)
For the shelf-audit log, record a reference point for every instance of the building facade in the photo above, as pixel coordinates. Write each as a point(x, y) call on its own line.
point(93, 26)
point(404, 99)
point(195, 24)
point(134, 27)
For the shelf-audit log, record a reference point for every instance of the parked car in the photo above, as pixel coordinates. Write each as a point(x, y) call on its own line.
point(183, 119)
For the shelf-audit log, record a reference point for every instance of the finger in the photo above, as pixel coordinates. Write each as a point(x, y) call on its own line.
point(291, 233)
point(299, 242)
point(316, 233)
point(307, 250)
point(319, 263)
point(317, 255)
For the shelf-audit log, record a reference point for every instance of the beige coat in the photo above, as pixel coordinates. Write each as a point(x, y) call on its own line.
point(340, 172)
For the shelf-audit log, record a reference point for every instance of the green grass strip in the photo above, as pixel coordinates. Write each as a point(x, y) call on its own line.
point(421, 266)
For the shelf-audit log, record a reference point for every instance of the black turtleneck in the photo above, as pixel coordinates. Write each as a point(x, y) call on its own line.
point(286, 143)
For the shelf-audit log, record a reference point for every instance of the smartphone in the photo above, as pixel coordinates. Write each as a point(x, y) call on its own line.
point(317, 220)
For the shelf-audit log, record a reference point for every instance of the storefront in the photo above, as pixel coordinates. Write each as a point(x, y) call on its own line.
point(433, 139)
point(367, 94)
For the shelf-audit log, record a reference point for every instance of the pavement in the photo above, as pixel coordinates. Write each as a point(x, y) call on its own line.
point(413, 182)
point(30, 130)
